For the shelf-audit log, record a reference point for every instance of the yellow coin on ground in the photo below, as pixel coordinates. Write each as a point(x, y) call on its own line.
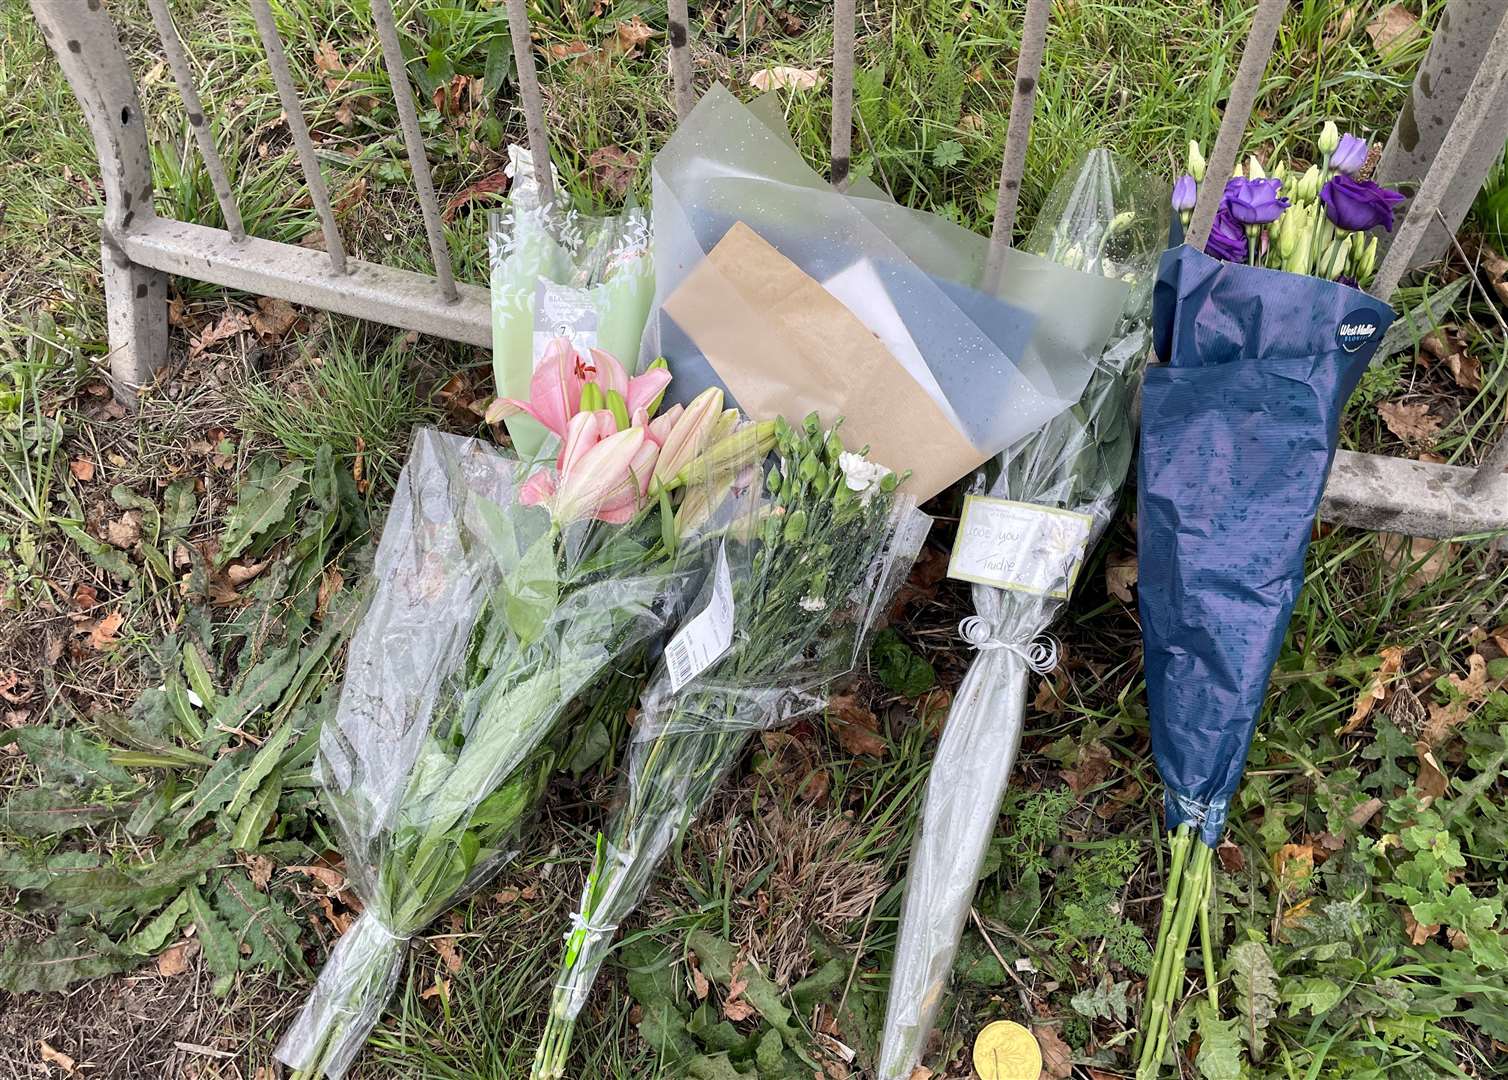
point(1005, 1050)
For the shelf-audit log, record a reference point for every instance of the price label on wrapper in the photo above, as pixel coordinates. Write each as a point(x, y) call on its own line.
point(563, 311)
point(1019, 546)
point(701, 641)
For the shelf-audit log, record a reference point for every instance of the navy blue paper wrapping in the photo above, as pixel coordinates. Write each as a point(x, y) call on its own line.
point(1238, 429)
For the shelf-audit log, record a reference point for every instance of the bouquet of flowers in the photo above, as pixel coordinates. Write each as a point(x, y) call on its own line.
point(557, 273)
point(1262, 338)
point(813, 574)
point(502, 591)
point(1054, 494)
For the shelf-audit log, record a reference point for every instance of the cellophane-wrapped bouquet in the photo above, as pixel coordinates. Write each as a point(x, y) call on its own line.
point(796, 597)
point(559, 273)
point(503, 589)
point(1104, 218)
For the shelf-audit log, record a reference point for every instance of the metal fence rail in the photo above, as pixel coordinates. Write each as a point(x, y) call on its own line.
point(139, 248)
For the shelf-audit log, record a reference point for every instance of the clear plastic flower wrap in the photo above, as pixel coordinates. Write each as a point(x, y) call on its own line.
point(503, 591)
point(829, 547)
point(1102, 218)
point(556, 273)
point(795, 296)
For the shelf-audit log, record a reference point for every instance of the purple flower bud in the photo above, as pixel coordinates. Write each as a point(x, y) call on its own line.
point(1350, 155)
point(1227, 238)
point(1254, 202)
point(1185, 193)
point(1358, 204)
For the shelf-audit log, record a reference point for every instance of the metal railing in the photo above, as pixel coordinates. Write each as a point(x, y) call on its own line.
point(140, 248)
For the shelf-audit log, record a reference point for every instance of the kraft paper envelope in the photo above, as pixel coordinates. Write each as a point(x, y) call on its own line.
point(784, 346)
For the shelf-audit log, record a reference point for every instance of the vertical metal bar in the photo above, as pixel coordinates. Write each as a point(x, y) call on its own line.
point(178, 63)
point(1243, 94)
point(1017, 135)
point(1480, 99)
point(277, 60)
point(83, 38)
point(1491, 468)
point(843, 61)
point(413, 141)
point(678, 21)
point(532, 101)
point(1457, 49)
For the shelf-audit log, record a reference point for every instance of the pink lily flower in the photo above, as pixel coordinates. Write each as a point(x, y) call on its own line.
point(601, 472)
point(637, 391)
point(554, 390)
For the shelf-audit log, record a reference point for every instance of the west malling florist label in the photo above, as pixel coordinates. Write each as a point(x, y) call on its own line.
point(1356, 329)
point(1019, 546)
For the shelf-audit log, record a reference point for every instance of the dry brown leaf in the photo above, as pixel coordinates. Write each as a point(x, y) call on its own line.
point(13, 688)
point(1445, 719)
point(921, 1072)
point(785, 78)
point(1432, 781)
point(327, 63)
point(1466, 370)
point(1410, 422)
point(446, 947)
point(82, 469)
point(699, 983)
point(273, 318)
point(1292, 864)
point(102, 635)
point(1436, 344)
point(57, 1057)
point(1393, 26)
point(1295, 915)
point(1057, 1055)
point(1120, 575)
point(359, 466)
point(565, 50)
point(228, 325)
point(1429, 559)
point(1417, 931)
point(1497, 271)
point(630, 36)
point(124, 531)
point(612, 170)
point(494, 183)
point(1232, 858)
point(1377, 691)
point(329, 585)
point(1364, 813)
point(1092, 768)
point(856, 726)
point(259, 869)
point(333, 880)
point(439, 989)
point(238, 571)
point(737, 1010)
point(176, 959)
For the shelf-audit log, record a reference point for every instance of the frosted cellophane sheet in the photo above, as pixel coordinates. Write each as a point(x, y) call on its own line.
point(998, 364)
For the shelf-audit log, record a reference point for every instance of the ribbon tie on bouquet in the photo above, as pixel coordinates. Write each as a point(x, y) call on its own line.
point(1040, 653)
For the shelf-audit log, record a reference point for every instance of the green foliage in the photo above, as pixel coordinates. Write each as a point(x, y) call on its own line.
point(900, 667)
point(168, 770)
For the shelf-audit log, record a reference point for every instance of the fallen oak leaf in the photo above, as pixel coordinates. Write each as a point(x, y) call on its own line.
point(1466, 370)
point(1424, 559)
point(176, 959)
point(82, 469)
point(629, 37)
point(613, 169)
point(273, 318)
point(1410, 422)
point(856, 726)
point(1392, 27)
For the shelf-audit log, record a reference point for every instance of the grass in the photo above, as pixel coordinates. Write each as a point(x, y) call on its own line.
point(931, 100)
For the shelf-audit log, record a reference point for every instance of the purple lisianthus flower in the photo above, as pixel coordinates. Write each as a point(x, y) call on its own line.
point(1347, 279)
point(1185, 194)
point(1254, 202)
point(1350, 155)
point(1227, 238)
point(1358, 204)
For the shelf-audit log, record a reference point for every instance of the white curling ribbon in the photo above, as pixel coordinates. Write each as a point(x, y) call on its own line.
point(1040, 654)
point(579, 923)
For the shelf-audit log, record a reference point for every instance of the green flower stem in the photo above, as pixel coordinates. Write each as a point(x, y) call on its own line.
point(1178, 848)
point(1168, 962)
point(1206, 946)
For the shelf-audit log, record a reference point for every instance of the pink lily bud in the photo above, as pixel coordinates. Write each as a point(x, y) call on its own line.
point(689, 435)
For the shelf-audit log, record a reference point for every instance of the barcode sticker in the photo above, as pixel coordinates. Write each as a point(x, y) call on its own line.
point(699, 643)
